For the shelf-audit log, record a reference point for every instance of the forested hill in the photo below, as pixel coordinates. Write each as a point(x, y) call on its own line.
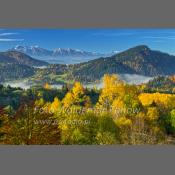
point(12, 71)
point(138, 60)
point(20, 58)
point(15, 65)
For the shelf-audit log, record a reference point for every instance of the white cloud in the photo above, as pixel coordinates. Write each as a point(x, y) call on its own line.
point(4, 37)
point(7, 39)
point(116, 51)
point(8, 34)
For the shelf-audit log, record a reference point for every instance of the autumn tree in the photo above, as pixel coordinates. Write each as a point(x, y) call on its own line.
point(152, 114)
point(145, 128)
point(47, 86)
point(170, 122)
point(77, 96)
point(112, 88)
point(78, 128)
point(128, 102)
point(30, 126)
point(124, 124)
point(160, 99)
point(4, 125)
point(55, 105)
point(39, 103)
point(108, 132)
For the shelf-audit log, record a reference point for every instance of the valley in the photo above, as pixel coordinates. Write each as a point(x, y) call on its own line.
point(127, 98)
point(137, 65)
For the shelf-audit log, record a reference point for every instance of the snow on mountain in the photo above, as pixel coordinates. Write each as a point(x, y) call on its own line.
point(38, 51)
point(32, 50)
point(59, 55)
point(71, 52)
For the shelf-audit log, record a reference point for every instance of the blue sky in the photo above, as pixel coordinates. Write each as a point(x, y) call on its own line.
point(96, 40)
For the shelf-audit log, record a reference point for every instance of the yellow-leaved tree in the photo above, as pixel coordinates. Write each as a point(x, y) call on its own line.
point(163, 100)
point(47, 86)
point(76, 97)
point(55, 105)
point(152, 113)
point(112, 88)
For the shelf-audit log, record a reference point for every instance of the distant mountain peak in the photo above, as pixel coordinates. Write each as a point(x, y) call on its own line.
point(59, 55)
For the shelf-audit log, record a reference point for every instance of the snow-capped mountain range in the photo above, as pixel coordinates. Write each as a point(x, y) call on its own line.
point(32, 50)
point(59, 55)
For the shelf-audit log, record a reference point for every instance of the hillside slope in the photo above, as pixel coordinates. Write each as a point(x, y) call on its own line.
point(20, 58)
point(139, 60)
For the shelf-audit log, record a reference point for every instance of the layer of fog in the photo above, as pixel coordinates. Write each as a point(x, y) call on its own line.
point(128, 78)
point(68, 59)
point(25, 85)
point(135, 78)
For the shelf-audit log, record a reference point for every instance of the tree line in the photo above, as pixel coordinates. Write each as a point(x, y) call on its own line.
point(118, 113)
